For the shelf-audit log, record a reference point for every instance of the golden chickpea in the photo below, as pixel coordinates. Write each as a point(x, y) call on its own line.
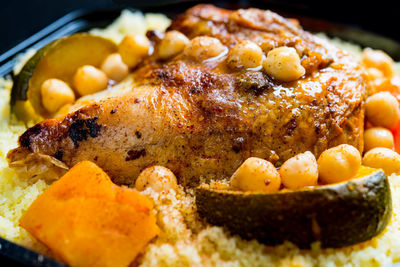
point(378, 137)
point(382, 109)
point(172, 44)
point(283, 63)
point(376, 80)
point(159, 178)
point(299, 171)
point(245, 54)
point(63, 111)
point(379, 60)
point(114, 67)
point(55, 94)
point(89, 80)
point(338, 164)
point(374, 74)
point(256, 175)
point(383, 158)
point(203, 47)
point(133, 48)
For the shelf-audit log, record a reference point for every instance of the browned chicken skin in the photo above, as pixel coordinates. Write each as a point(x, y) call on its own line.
point(202, 119)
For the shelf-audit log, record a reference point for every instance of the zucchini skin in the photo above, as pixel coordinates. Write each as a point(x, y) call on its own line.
point(336, 215)
point(19, 90)
point(58, 59)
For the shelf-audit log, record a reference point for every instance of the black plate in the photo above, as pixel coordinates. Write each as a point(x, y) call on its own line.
point(83, 20)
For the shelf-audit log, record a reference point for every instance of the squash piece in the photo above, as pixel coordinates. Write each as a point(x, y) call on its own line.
point(86, 220)
point(59, 59)
point(337, 215)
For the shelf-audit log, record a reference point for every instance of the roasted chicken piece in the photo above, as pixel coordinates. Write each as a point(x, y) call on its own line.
point(202, 119)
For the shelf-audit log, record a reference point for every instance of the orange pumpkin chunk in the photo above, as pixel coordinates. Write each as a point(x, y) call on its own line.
point(86, 220)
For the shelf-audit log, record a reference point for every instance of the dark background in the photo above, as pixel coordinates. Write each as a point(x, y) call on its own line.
point(20, 19)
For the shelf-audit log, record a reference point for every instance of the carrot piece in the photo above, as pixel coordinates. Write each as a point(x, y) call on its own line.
point(396, 136)
point(86, 220)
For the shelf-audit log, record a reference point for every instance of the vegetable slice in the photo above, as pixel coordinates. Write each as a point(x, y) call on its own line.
point(396, 137)
point(337, 215)
point(86, 220)
point(58, 59)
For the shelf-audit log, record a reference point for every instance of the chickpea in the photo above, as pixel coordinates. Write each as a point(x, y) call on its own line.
point(114, 67)
point(63, 111)
point(382, 158)
point(374, 74)
point(133, 48)
point(159, 178)
point(299, 171)
point(245, 54)
point(339, 164)
point(378, 137)
point(257, 175)
point(55, 94)
point(379, 60)
point(382, 109)
point(283, 63)
point(172, 44)
point(203, 47)
point(376, 80)
point(89, 80)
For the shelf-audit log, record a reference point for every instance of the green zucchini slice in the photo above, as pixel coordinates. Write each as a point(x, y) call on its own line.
point(58, 59)
point(337, 215)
